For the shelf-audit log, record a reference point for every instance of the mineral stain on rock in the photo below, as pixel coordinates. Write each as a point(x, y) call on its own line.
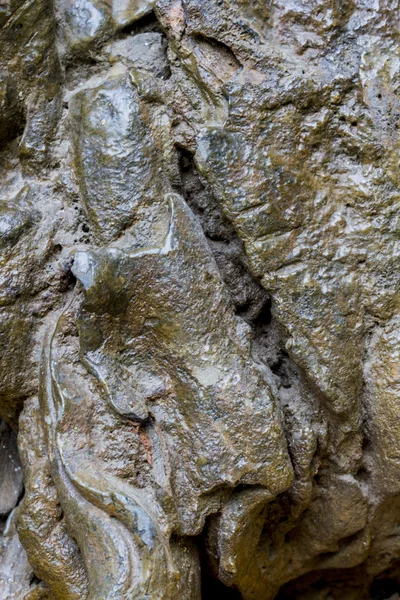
point(199, 306)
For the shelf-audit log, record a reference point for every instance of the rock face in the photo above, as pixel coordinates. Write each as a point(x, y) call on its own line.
point(200, 299)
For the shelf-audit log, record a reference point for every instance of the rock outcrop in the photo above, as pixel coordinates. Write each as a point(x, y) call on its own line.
point(200, 294)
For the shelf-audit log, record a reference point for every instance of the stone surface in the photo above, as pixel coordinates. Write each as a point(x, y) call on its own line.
point(11, 484)
point(199, 306)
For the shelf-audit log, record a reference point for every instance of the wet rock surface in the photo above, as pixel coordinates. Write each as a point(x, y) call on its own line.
point(199, 306)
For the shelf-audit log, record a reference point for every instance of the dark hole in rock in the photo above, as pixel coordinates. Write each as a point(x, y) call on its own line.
point(68, 279)
point(212, 588)
point(382, 589)
point(362, 474)
point(11, 128)
point(251, 301)
point(81, 61)
point(264, 317)
point(146, 23)
point(365, 443)
point(11, 479)
point(279, 369)
point(34, 580)
point(242, 309)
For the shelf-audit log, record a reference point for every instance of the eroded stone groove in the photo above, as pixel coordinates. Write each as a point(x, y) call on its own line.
point(199, 305)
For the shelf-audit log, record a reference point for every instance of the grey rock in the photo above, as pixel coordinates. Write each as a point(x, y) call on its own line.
point(114, 157)
point(16, 573)
point(144, 51)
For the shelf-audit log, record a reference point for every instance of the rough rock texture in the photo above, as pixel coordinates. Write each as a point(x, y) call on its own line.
point(200, 294)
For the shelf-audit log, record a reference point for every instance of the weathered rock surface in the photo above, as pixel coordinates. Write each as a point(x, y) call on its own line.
point(199, 306)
